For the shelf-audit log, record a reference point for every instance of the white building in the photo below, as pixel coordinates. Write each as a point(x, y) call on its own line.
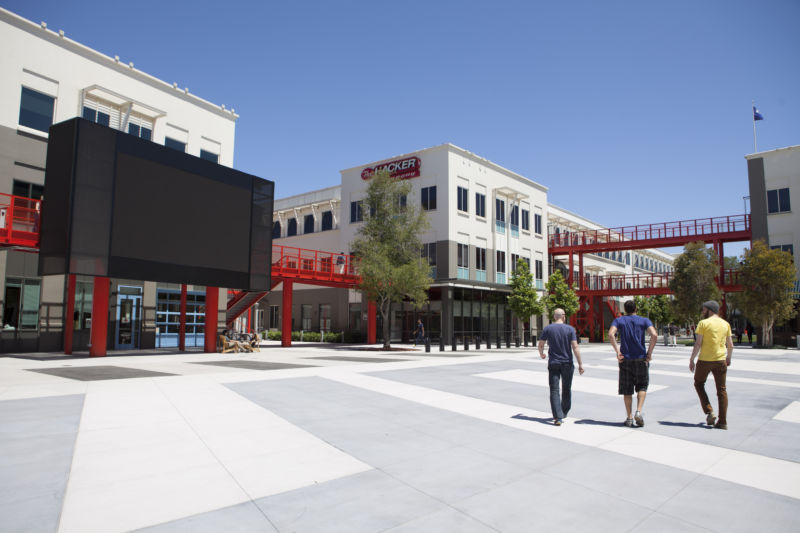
point(482, 218)
point(46, 78)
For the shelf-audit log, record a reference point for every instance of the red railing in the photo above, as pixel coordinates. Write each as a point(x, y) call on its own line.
point(19, 221)
point(313, 265)
point(641, 282)
point(682, 229)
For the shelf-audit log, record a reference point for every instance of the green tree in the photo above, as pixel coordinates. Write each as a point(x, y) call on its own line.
point(657, 308)
point(524, 300)
point(388, 246)
point(767, 277)
point(694, 281)
point(560, 296)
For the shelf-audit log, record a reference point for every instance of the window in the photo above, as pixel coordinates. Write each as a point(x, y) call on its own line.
point(462, 199)
point(463, 261)
point(429, 252)
point(175, 144)
point(139, 131)
point(515, 215)
point(356, 212)
point(276, 229)
point(539, 270)
point(168, 312)
point(429, 198)
point(324, 317)
point(500, 209)
point(627, 258)
point(274, 317)
point(526, 220)
point(308, 224)
point(480, 204)
point(514, 258)
point(501, 261)
point(402, 201)
point(537, 223)
point(28, 190)
point(291, 228)
point(21, 303)
point(327, 221)
point(305, 317)
point(96, 116)
point(480, 258)
point(36, 110)
point(209, 156)
point(778, 201)
point(784, 247)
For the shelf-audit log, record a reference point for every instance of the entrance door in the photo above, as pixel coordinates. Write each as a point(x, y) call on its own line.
point(129, 316)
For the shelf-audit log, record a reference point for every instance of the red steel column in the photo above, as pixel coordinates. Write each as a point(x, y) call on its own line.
point(182, 323)
point(286, 313)
point(372, 335)
point(212, 303)
point(99, 334)
point(571, 266)
point(69, 314)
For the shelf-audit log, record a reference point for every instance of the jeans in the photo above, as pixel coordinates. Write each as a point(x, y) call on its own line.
point(560, 402)
point(720, 371)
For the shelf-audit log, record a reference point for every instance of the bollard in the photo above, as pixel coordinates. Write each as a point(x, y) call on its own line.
point(466, 343)
point(516, 342)
point(455, 346)
point(441, 343)
point(477, 343)
point(527, 338)
point(427, 344)
point(488, 342)
point(498, 343)
point(508, 340)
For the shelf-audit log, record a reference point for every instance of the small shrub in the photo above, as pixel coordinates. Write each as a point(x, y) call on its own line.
point(274, 335)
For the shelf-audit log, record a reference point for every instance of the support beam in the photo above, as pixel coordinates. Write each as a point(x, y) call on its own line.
point(286, 314)
point(372, 335)
point(69, 314)
point(182, 321)
point(99, 335)
point(212, 317)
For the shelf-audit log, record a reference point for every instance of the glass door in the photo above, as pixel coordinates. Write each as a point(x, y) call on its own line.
point(129, 316)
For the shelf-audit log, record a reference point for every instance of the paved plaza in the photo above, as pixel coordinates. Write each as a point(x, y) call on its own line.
point(340, 439)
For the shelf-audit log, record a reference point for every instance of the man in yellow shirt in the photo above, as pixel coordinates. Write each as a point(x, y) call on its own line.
point(715, 345)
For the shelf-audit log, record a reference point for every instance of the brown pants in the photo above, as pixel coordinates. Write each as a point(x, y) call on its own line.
point(720, 370)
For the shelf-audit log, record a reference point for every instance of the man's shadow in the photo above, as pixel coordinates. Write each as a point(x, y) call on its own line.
point(591, 422)
point(548, 421)
point(701, 425)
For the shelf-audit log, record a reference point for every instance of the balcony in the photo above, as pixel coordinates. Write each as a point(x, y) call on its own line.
point(500, 226)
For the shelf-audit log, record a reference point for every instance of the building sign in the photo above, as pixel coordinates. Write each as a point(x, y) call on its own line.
point(402, 169)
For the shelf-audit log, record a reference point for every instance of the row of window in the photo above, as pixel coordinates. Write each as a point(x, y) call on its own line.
point(37, 110)
point(326, 224)
point(500, 210)
point(462, 259)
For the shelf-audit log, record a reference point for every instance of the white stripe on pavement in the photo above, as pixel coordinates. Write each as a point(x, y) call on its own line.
point(606, 387)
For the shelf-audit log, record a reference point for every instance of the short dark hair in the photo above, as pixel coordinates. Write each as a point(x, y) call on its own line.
point(630, 307)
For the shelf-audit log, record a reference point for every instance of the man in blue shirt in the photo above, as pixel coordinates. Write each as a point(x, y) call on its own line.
point(634, 360)
point(562, 341)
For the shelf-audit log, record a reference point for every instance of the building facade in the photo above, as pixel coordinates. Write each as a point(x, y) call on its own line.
point(46, 78)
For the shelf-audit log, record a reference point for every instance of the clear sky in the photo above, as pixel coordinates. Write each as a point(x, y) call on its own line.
point(629, 111)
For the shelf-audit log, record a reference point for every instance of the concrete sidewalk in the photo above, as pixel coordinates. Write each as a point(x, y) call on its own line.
point(323, 438)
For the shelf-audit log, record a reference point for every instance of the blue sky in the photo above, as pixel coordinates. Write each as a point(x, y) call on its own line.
point(630, 112)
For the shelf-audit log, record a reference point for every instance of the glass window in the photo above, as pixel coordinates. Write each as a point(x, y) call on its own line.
point(276, 229)
point(429, 252)
point(429, 198)
point(175, 144)
point(480, 258)
point(500, 210)
point(324, 317)
point(463, 255)
point(778, 201)
point(356, 212)
point(305, 317)
point(28, 190)
point(480, 204)
point(327, 220)
point(308, 224)
point(36, 110)
point(291, 228)
point(209, 156)
point(539, 269)
point(462, 199)
point(501, 261)
point(514, 258)
point(274, 317)
point(515, 215)
point(537, 223)
point(21, 304)
point(526, 220)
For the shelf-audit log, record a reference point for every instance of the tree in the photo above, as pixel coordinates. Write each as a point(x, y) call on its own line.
point(560, 296)
point(388, 247)
point(524, 300)
point(767, 277)
point(694, 281)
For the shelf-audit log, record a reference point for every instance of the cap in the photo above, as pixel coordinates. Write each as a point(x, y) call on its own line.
point(712, 306)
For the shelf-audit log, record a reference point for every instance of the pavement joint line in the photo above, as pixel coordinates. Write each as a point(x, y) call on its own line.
point(743, 468)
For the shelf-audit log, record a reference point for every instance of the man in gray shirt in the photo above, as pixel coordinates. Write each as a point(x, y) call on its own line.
point(562, 342)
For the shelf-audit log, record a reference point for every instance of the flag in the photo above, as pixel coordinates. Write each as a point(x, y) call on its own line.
point(757, 115)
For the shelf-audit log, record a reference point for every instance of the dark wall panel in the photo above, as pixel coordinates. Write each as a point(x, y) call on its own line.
point(138, 210)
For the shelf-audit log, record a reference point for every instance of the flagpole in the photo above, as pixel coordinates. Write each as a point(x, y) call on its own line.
point(755, 145)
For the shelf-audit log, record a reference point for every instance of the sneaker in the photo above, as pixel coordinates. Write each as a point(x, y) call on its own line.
point(710, 418)
point(720, 425)
point(557, 422)
point(629, 422)
point(639, 418)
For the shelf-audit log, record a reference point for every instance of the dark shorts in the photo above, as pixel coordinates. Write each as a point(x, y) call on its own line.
point(634, 374)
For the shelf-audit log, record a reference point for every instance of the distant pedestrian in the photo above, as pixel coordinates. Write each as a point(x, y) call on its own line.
point(748, 332)
point(739, 335)
point(562, 342)
point(419, 333)
point(715, 346)
point(634, 359)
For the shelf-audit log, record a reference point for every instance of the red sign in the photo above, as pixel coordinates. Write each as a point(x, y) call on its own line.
point(402, 169)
